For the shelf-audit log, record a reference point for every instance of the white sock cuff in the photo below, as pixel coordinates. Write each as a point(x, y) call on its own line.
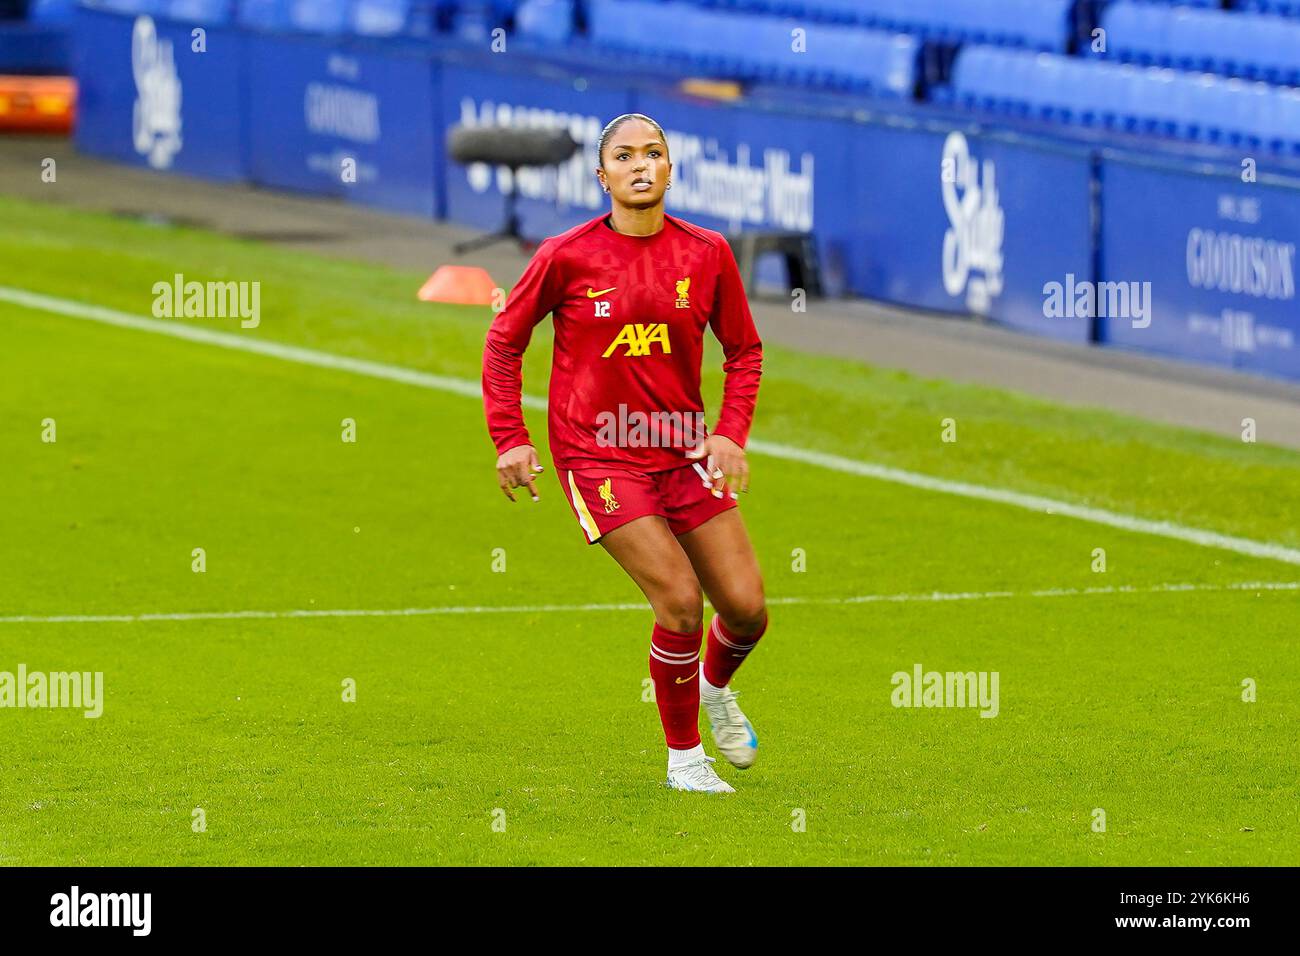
point(679, 758)
point(705, 686)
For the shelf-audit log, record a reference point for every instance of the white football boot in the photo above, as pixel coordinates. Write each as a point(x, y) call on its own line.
point(732, 731)
point(697, 775)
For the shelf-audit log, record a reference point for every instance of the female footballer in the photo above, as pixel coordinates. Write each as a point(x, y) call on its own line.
point(631, 293)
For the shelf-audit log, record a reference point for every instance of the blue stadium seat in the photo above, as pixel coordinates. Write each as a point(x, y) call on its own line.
point(1088, 92)
point(641, 27)
point(1282, 120)
point(131, 6)
point(304, 16)
point(1126, 21)
point(388, 18)
point(546, 20)
point(270, 15)
point(474, 20)
point(699, 41)
point(38, 43)
point(754, 47)
point(379, 18)
point(210, 12)
point(1110, 87)
point(319, 16)
point(51, 12)
point(1037, 24)
point(1281, 8)
point(1213, 41)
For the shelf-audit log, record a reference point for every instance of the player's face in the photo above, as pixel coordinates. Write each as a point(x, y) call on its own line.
point(636, 165)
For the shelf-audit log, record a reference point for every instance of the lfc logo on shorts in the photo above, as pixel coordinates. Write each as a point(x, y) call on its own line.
point(684, 293)
point(607, 495)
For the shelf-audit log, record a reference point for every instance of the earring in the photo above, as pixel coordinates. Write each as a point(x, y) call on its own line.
point(669, 186)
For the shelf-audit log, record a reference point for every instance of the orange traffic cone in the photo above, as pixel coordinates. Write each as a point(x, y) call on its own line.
point(463, 285)
point(38, 104)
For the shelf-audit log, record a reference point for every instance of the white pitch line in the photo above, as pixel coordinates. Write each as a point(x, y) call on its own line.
point(471, 389)
point(918, 598)
point(1163, 529)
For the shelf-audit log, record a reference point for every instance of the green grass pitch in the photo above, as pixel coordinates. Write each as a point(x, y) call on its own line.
point(1126, 701)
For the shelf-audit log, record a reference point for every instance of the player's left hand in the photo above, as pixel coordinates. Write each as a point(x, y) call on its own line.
point(725, 462)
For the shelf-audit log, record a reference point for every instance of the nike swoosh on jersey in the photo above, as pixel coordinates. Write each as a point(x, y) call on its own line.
point(591, 294)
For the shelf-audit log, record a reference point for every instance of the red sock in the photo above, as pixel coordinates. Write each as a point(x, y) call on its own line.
point(726, 651)
point(675, 666)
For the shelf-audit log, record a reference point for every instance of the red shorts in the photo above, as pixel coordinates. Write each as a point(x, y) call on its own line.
point(603, 499)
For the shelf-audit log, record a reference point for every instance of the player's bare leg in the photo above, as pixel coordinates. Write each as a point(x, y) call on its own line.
point(652, 557)
point(723, 560)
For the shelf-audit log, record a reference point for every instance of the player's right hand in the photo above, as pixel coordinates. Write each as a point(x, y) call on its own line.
point(516, 468)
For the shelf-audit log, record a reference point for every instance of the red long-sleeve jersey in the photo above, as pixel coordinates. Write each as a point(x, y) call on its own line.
point(630, 314)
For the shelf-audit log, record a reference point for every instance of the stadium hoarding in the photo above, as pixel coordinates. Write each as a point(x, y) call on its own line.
point(960, 220)
point(738, 169)
point(1218, 248)
point(1039, 197)
point(152, 93)
point(352, 120)
point(923, 214)
point(916, 208)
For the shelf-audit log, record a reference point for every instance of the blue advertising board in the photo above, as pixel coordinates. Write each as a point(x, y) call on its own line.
point(550, 200)
point(347, 120)
point(1007, 216)
point(158, 94)
point(893, 222)
point(1219, 257)
point(1043, 198)
point(955, 220)
point(737, 169)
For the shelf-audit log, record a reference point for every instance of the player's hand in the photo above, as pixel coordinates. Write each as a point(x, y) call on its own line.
point(726, 464)
point(516, 468)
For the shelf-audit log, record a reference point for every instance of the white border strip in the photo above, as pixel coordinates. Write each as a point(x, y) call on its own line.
point(920, 598)
point(469, 389)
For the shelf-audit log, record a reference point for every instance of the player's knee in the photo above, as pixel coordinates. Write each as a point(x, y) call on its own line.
point(747, 615)
point(681, 610)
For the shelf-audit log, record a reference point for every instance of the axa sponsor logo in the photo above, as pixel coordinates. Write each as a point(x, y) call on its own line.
point(156, 117)
point(972, 244)
point(637, 339)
